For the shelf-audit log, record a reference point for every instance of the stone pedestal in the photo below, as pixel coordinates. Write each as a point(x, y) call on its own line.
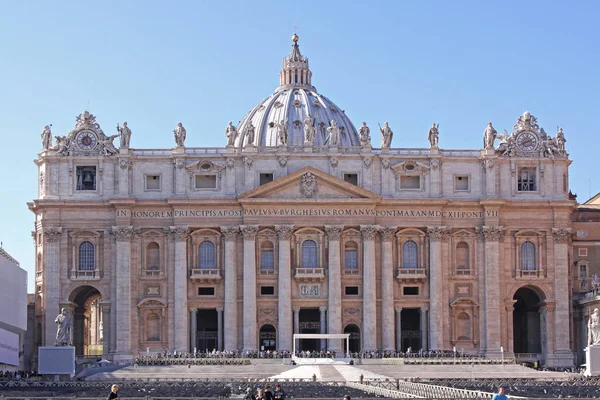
point(56, 360)
point(592, 361)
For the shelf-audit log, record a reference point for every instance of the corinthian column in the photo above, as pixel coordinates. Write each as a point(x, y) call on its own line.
point(334, 303)
point(285, 329)
point(492, 235)
point(387, 288)
point(231, 308)
point(51, 282)
point(563, 356)
point(123, 235)
point(180, 310)
point(249, 320)
point(369, 288)
point(436, 286)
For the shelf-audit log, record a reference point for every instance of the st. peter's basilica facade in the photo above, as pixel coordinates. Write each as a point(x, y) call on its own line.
point(304, 224)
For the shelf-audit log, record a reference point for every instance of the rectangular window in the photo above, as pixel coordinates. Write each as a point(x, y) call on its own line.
point(526, 180)
point(266, 178)
point(410, 182)
point(267, 290)
point(351, 178)
point(206, 181)
point(410, 290)
point(152, 182)
point(351, 290)
point(351, 259)
point(583, 252)
point(206, 291)
point(582, 233)
point(583, 271)
point(86, 178)
point(461, 183)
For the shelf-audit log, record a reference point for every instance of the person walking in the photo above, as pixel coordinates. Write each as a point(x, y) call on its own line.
point(279, 394)
point(500, 395)
point(249, 395)
point(114, 393)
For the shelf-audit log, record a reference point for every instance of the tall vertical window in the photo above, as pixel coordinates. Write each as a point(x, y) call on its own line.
point(309, 254)
point(267, 257)
point(153, 327)
point(206, 255)
point(528, 256)
point(351, 256)
point(462, 256)
point(153, 257)
point(526, 180)
point(409, 254)
point(86, 256)
point(583, 271)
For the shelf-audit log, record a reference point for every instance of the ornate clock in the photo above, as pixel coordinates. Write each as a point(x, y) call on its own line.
point(527, 141)
point(86, 140)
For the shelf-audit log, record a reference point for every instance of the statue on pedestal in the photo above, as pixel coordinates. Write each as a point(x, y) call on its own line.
point(433, 136)
point(386, 135)
point(65, 325)
point(108, 148)
point(249, 133)
point(180, 134)
point(282, 132)
point(365, 135)
point(594, 328)
point(47, 138)
point(560, 140)
point(309, 130)
point(231, 134)
point(334, 134)
point(489, 136)
point(124, 135)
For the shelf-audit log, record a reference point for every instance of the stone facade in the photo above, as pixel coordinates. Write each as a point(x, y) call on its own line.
point(242, 246)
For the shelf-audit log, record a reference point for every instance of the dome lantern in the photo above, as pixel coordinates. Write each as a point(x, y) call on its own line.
point(295, 71)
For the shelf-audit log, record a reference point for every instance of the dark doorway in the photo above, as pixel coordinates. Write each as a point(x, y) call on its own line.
point(526, 322)
point(267, 337)
point(207, 325)
point(310, 322)
point(354, 331)
point(410, 321)
point(87, 324)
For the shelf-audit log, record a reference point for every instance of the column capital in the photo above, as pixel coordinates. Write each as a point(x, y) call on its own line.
point(296, 309)
point(52, 234)
point(561, 235)
point(437, 233)
point(284, 232)
point(105, 306)
point(491, 233)
point(369, 231)
point(397, 309)
point(219, 309)
point(177, 233)
point(230, 232)
point(124, 233)
point(387, 233)
point(249, 231)
point(193, 309)
point(424, 308)
point(323, 309)
point(334, 232)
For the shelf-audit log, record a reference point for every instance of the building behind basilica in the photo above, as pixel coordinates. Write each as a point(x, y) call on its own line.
point(303, 224)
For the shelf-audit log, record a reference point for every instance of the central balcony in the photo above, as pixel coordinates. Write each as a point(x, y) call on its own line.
point(85, 275)
point(309, 274)
point(206, 275)
point(411, 274)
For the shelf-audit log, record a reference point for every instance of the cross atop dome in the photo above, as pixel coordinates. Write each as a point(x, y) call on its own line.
point(295, 71)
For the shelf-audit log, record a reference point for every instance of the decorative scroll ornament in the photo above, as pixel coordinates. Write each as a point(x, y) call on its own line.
point(367, 161)
point(561, 235)
point(385, 163)
point(124, 233)
point(334, 161)
point(249, 231)
point(267, 311)
point(435, 163)
point(125, 163)
point(491, 233)
point(230, 232)
point(230, 163)
point(284, 232)
point(308, 185)
point(334, 232)
point(282, 161)
point(487, 163)
point(178, 164)
point(52, 235)
point(249, 161)
point(369, 231)
point(437, 233)
point(351, 311)
point(387, 233)
point(177, 233)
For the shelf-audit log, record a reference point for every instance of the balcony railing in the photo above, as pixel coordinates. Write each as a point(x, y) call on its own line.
point(411, 274)
point(463, 272)
point(351, 271)
point(266, 271)
point(309, 274)
point(85, 274)
point(529, 273)
point(152, 273)
point(206, 274)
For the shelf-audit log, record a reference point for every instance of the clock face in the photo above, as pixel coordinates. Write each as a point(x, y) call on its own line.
point(86, 140)
point(527, 141)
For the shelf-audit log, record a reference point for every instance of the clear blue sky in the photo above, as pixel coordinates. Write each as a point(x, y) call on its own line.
point(456, 63)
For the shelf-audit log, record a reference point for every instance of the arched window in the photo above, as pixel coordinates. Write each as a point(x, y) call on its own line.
point(153, 328)
point(267, 257)
point(206, 255)
point(153, 257)
point(309, 254)
point(409, 254)
point(86, 256)
point(463, 326)
point(462, 256)
point(351, 256)
point(528, 256)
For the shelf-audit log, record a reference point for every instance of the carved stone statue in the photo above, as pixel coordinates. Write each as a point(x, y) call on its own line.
point(65, 325)
point(309, 130)
point(231, 134)
point(124, 135)
point(433, 136)
point(386, 136)
point(282, 132)
point(62, 145)
point(365, 135)
point(180, 134)
point(249, 133)
point(334, 134)
point(108, 148)
point(560, 140)
point(595, 282)
point(594, 328)
point(47, 138)
point(489, 136)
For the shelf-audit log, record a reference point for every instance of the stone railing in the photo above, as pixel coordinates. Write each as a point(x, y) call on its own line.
point(411, 274)
point(528, 273)
point(424, 390)
point(206, 274)
point(152, 273)
point(309, 274)
point(85, 274)
point(382, 392)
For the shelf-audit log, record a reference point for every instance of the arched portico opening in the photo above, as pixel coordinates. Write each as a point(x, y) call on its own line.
point(267, 338)
point(527, 327)
point(354, 331)
point(88, 327)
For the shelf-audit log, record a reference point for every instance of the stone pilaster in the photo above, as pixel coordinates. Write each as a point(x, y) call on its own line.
point(509, 307)
point(193, 328)
point(249, 318)
point(231, 308)
point(436, 234)
point(369, 328)
point(180, 316)
point(334, 301)
point(220, 328)
point(398, 312)
point(284, 304)
point(123, 235)
point(323, 326)
point(424, 336)
point(490, 175)
point(296, 319)
point(492, 236)
point(181, 177)
point(125, 165)
point(51, 238)
point(387, 288)
point(106, 337)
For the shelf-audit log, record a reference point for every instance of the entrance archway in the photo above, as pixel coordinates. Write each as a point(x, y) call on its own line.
point(410, 322)
point(354, 331)
point(208, 330)
point(267, 337)
point(526, 321)
point(310, 322)
point(88, 327)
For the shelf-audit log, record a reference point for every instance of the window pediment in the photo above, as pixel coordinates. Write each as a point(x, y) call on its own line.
point(410, 168)
point(85, 234)
point(152, 303)
point(464, 302)
point(205, 166)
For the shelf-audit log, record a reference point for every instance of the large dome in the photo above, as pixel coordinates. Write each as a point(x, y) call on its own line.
point(292, 101)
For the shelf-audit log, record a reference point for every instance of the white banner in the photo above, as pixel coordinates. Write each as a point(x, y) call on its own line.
point(9, 348)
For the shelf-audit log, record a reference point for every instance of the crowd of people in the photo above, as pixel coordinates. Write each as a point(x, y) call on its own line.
point(16, 375)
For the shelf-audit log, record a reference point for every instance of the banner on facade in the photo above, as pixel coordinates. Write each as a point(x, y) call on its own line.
point(9, 348)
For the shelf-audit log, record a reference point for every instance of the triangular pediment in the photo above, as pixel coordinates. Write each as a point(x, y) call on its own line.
point(309, 184)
